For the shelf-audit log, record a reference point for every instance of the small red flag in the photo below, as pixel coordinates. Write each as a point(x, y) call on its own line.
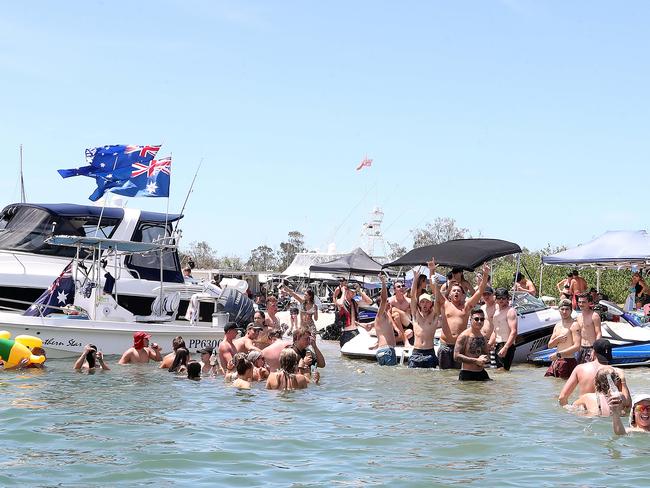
point(365, 163)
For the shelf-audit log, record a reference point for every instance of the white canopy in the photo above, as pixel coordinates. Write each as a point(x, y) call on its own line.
point(613, 249)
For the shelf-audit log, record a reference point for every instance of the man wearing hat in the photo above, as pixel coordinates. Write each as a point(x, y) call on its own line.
point(247, 343)
point(208, 362)
point(141, 352)
point(639, 414)
point(227, 347)
point(584, 375)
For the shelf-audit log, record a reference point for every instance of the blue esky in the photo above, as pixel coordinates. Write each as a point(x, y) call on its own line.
point(522, 120)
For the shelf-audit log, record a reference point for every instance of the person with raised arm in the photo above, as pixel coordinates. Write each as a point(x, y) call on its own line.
point(639, 414)
point(384, 329)
point(90, 358)
point(427, 317)
point(472, 349)
point(456, 313)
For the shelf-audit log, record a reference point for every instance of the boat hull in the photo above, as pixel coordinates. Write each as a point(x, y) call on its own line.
point(65, 337)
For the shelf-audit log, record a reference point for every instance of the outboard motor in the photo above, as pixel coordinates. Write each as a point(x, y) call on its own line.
point(238, 306)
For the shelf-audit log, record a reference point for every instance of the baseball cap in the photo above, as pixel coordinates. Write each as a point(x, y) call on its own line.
point(489, 290)
point(229, 326)
point(501, 293)
point(425, 296)
point(254, 356)
point(603, 351)
point(206, 350)
point(253, 325)
point(138, 339)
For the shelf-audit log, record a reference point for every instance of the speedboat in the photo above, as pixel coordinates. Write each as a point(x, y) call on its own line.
point(95, 314)
point(29, 263)
point(535, 325)
point(628, 334)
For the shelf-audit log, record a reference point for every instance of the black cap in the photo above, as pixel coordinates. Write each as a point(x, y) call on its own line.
point(501, 293)
point(489, 290)
point(603, 351)
point(206, 350)
point(229, 326)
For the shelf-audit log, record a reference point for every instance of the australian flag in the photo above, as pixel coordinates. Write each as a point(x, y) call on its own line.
point(117, 168)
point(59, 294)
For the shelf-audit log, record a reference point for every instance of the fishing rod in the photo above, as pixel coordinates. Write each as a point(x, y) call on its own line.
point(196, 173)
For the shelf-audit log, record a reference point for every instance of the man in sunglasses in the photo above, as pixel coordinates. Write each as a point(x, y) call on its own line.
point(472, 350)
point(505, 330)
point(589, 323)
point(399, 313)
point(456, 312)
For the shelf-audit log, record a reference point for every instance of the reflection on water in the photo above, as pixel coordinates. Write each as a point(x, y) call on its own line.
point(363, 426)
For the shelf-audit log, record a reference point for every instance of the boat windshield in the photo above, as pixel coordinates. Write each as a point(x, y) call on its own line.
point(26, 228)
point(524, 303)
point(147, 265)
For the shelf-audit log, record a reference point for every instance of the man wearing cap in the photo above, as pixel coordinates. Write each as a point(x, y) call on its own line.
point(426, 320)
point(208, 365)
point(141, 352)
point(260, 371)
point(247, 343)
point(584, 375)
point(456, 312)
point(589, 323)
point(505, 330)
point(227, 347)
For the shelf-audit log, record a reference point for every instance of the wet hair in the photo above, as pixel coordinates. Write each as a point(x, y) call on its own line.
point(478, 310)
point(194, 370)
point(180, 359)
point(177, 342)
point(288, 360)
point(242, 364)
point(602, 385)
point(91, 356)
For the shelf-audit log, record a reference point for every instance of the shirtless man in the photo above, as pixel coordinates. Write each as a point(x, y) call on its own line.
point(505, 330)
point(247, 343)
point(472, 349)
point(348, 309)
point(271, 354)
point(426, 320)
point(399, 313)
point(566, 337)
point(456, 312)
point(141, 352)
point(489, 307)
point(227, 348)
point(584, 375)
point(271, 309)
point(524, 284)
point(578, 285)
point(383, 328)
point(589, 323)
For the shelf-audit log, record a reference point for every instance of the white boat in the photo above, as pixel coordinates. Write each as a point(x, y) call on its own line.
point(29, 263)
point(102, 320)
point(535, 325)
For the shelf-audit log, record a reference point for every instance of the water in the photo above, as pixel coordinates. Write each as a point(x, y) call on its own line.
point(363, 426)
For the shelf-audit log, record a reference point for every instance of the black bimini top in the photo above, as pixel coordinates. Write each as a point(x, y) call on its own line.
point(458, 253)
point(73, 210)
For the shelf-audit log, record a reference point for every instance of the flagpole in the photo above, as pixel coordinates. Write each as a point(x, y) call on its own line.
point(189, 192)
point(101, 214)
point(22, 180)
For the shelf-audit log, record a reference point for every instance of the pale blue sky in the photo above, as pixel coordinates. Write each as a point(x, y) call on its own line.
point(509, 116)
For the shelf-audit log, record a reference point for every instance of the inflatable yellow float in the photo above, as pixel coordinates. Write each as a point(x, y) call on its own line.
point(12, 352)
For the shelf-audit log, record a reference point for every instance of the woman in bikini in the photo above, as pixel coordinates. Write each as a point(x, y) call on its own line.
point(286, 377)
point(308, 308)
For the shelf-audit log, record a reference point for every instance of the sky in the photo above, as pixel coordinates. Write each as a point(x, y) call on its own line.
point(522, 120)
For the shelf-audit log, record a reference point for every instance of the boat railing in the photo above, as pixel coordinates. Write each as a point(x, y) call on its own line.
point(40, 306)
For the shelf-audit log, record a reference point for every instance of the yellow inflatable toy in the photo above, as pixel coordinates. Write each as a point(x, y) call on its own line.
point(13, 352)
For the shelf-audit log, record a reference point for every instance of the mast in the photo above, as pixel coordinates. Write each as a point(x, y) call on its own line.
point(22, 180)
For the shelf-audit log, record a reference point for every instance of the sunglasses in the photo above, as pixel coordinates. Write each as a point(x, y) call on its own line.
point(642, 408)
point(399, 286)
point(479, 319)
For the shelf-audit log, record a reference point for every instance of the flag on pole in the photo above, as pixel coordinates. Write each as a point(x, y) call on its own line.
point(365, 163)
point(113, 169)
point(59, 294)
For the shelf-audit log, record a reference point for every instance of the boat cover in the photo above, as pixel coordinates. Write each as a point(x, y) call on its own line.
point(357, 262)
point(458, 253)
point(612, 249)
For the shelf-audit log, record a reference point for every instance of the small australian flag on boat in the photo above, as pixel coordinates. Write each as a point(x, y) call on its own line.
point(59, 294)
point(131, 171)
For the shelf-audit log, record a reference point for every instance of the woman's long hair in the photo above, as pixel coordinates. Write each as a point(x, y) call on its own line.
point(181, 358)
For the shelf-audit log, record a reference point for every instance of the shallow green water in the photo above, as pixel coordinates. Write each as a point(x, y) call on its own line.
point(364, 425)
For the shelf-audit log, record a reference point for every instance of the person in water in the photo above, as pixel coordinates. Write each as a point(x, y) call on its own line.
point(244, 370)
point(639, 414)
point(194, 370)
point(608, 381)
point(286, 378)
point(141, 352)
point(589, 322)
point(308, 308)
point(227, 348)
point(385, 354)
point(260, 371)
point(168, 359)
point(566, 338)
point(90, 358)
point(472, 349)
point(505, 330)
